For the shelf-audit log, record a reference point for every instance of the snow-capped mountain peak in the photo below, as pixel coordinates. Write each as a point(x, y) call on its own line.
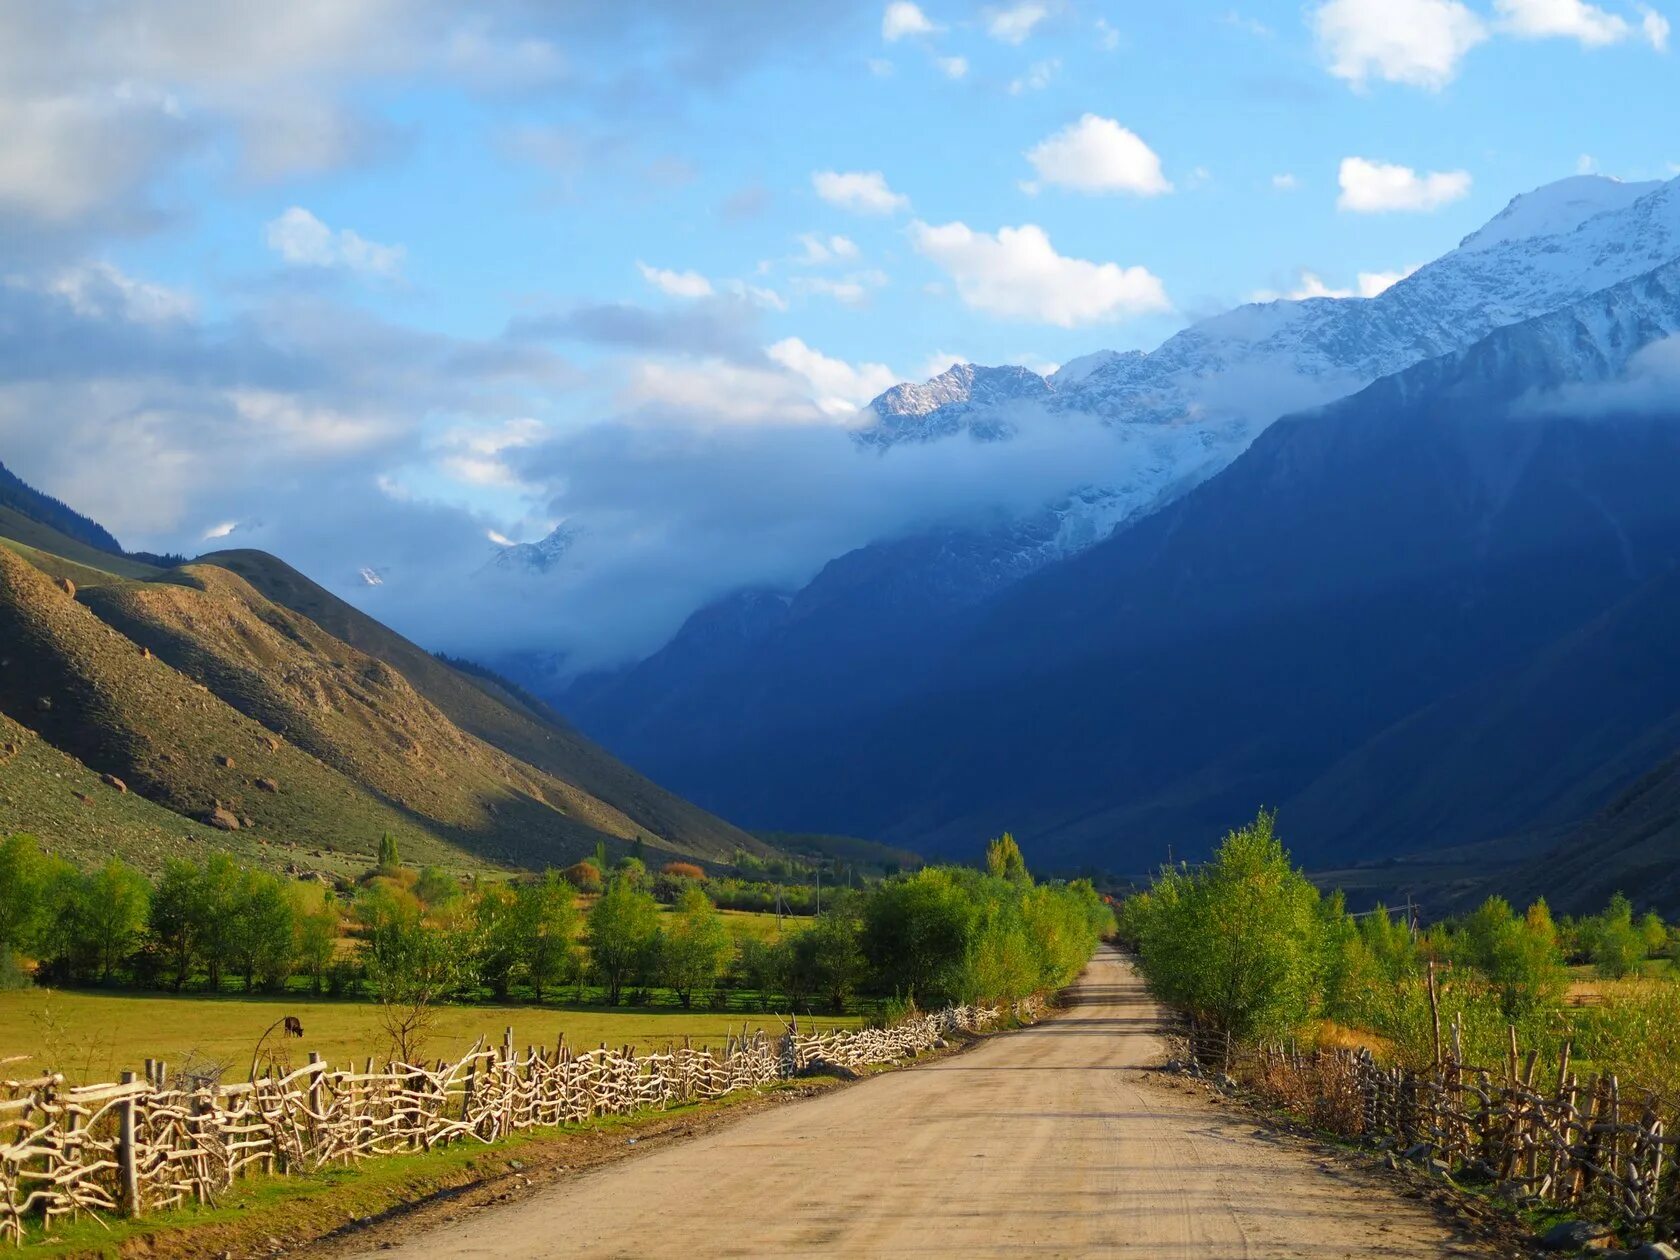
point(951, 401)
point(1556, 208)
point(540, 556)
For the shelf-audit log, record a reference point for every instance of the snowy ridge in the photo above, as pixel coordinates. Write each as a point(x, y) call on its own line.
point(1185, 410)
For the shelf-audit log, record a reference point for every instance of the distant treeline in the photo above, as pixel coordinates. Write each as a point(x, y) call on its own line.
point(414, 937)
point(1249, 947)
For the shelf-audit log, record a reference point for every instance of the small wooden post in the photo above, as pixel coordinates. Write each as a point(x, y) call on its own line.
point(128, 1153)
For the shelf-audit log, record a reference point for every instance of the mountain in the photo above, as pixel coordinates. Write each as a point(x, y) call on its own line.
point(153, 712)
point(1384, 618)
point(27, 501)
point(860, 636)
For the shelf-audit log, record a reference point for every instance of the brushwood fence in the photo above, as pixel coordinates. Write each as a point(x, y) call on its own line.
point(1581, 1145)
point(149, 1142)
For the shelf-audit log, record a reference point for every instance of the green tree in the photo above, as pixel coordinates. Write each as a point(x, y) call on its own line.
point(1616, 945)
point(264, 930)
point(1004, 860)
point(110, 915)
point(548, 928)
point(317, 941)
point(411, 966)
point(389, 860)
point(623, 935)
point(837, 955)
point(23, 907)
point(917, 934)
point(436, 887)
point(222, 885)
point(1238, 942)
point(694, 945)
point(177, 918)
point(498, 938)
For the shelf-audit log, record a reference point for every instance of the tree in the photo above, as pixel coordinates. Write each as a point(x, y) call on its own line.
point(837, 955)
point(623, 935)
point(317, 941)
point(177, 918)
point(1519, 957)
point(436, 887)
point(695, 945)
point(548, 928)
point(1615, 944)
point(1238, 942)
point(110, 915)
point(389, 859)
point(584, 876)
point(411, 966)
point(498, 938)
point(263, 931)
point(222, 884)
point(1004, 860)
point(22, 901)
point(916, 936)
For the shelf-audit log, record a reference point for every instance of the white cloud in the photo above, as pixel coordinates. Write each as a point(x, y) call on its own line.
point(938, 363)
point(1372, 283)
point(758, 295)
point(1416, 42)
point(303, 240)
point(1039, 76)
point(1286, 182)
point(1108, 38)
point(1014, 24)
point(100, 291)
point(1369, 285)
point(1586, 164)
point(1655, 28)
point(1561, 19)
point(952, 67)
point(849, 290)
point(1018, 274)
point(1098, 155)
point(820, 249)
point(475, 453)
point(839, 388)
point(864, 192)
point(683, 284)
point(1376, 187)
point(901, 19)
point(880, 67)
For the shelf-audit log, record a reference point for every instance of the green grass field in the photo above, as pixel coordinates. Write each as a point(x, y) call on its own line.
point(93, 1036)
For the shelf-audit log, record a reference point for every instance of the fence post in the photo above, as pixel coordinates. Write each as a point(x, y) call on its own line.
point(128, 1153)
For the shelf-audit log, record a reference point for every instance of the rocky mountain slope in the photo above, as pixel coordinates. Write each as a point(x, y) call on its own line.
point(187, 704)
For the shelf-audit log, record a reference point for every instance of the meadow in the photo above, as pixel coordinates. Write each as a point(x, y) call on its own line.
point(93, 1035)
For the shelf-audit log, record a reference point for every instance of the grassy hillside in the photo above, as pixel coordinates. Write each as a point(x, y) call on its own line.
point(356, 714)
point(82, 563)
point(212, 701)
point(104, 700)
point(75, 814)
point(516, 724)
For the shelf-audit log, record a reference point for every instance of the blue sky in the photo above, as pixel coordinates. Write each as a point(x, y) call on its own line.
point(339, 271)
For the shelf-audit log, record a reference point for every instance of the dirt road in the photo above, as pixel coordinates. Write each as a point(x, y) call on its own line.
point(1053, 1140)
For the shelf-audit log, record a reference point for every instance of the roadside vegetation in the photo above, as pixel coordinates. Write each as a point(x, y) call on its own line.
point(1248, 947)
point(414, 944)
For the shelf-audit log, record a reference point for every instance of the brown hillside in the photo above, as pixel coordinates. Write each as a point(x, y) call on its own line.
point(524, 729)
point(353, 712)
point(97, 696)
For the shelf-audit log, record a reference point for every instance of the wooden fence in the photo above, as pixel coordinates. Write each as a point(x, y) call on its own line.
point(1583, 1146)
point(148, 1143)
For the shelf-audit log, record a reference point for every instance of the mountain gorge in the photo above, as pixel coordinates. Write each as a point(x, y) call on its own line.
point(1376, 613)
